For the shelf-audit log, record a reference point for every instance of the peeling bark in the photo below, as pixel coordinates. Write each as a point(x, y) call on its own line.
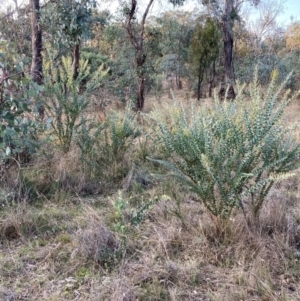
point(37, 43)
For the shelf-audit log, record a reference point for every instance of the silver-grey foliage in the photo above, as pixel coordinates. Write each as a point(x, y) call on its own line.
point(233, 152)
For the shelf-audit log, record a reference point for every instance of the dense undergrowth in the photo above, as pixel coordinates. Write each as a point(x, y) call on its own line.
point(98, 220)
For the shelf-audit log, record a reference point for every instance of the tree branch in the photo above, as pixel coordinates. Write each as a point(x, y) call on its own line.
point(128, 25)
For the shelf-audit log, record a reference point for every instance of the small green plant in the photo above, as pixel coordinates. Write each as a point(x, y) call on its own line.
point(126, 217)
point(230, 156)
point(103, 146)
point(67, 98)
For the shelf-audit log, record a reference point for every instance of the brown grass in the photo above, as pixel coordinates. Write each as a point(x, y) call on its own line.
point(69, 247)
point(196, 258)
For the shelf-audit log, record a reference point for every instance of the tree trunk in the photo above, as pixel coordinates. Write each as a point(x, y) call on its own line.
point(212, 79)
point(200, 79)
point(178, 82)
point(138, 43)
point(37, 45)
point(228, 47)
point(140, 61)
point(141, 93)
point(76, 58)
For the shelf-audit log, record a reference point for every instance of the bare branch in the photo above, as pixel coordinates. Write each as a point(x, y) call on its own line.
point(143, 22)
point(128, 24)
point(145, 15)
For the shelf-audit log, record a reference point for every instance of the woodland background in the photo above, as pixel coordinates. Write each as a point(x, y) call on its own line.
point(149, 155)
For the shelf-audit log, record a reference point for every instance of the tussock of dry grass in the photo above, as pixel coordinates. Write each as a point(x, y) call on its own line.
point(59, 172)
point(165, 258)
point(96, 242)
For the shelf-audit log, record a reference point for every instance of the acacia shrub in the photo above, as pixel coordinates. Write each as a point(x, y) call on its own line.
point(231, 155)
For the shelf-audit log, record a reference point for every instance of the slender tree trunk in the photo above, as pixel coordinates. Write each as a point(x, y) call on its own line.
point(140, 61)
point(37, 44)
point(179, 83)
point(137, 40)
point(141, 93)
point(200, 79)
point(228, 47)
point(178, 80)
point(76, 58)
point(212, 78)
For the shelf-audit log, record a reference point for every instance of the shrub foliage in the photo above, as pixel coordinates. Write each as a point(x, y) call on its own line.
point(103, 146)
point(231, 155)
point(68, 97)
point(17, 125)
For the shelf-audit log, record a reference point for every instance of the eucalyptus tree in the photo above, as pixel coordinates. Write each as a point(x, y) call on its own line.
point(19, 25)
point(124, 73)
point(176, 28)
point(15, 33)
point(265, 24)
point(227, 12)
point(204, 48)
point(124, 77)
point(261, 43)
point(137, 35)
point(69, 23)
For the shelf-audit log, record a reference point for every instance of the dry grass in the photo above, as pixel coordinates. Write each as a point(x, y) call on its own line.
point(196, 258)
point(76, 248)
point(96, 242)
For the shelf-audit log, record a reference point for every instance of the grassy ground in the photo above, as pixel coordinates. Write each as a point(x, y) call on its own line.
point(143, 237)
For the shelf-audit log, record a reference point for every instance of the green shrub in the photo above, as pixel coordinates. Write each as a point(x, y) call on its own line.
point(104, 146)
point(95, 58)
point(67, 98)
point(125, 218)
point(17, 125)
point(230, 155)
point(18, 129)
